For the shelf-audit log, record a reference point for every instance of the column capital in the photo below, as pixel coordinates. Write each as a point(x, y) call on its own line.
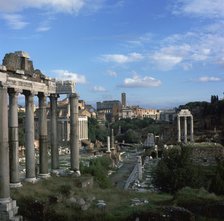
point(29, 93)
point(14, 91)
point(54, 95)
point(42, 94)
point(74, 95)
point(3, 85)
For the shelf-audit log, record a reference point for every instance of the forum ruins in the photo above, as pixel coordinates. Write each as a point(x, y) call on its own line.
point(18, 76)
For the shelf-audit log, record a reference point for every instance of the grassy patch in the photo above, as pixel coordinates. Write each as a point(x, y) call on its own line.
point(49, 200)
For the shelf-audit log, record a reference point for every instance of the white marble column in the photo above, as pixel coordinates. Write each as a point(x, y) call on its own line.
point(43, 143)
point(13, 139)
point(29, 138)
point(178, 129)
point(108, 144)
point(192, 129)
point(185, 129)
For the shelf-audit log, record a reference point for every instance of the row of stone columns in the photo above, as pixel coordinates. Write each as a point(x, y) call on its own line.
point(185, 128)
point(9, 142)
point(83, 125)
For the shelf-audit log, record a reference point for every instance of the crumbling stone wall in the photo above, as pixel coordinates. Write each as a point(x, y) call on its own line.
point(19, 60)
point(13, 62)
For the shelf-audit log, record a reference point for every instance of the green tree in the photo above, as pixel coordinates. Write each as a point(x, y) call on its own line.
point(131, 136)
point(176, 171)
point(217, 184)
point(96, 132)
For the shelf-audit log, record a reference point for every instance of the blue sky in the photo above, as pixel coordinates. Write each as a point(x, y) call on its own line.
point(161, 53)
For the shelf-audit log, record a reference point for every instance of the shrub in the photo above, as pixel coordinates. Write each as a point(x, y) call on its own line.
point(98, 168)
point(217, 184)
point(176, 171)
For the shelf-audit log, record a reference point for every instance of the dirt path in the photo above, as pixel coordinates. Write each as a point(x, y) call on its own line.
point(121, 175)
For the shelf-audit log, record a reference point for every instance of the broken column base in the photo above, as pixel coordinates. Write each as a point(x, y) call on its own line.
point(31, 180)
point(44, 176)
point(15, 185)
point(75, 173)
point(55, 172)
point(8, 211)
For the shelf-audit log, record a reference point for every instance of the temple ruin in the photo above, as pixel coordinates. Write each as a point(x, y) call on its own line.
point(185, 114)
point(18, 76)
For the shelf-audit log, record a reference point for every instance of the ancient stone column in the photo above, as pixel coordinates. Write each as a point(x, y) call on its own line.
point(185, 129)
point(29, 138)
point(8, 208)
point(54, 135)
point(108, 143)
point(178, 129)
point(192, 129)
point(112, 139)
point(4, 147)
point(74, 134)
point(13, 139)
point(43, 143)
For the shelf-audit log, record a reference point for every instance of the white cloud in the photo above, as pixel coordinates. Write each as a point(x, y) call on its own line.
point(65, 6)
point(122, 59)
point(68, 6)
point(140, 41)
point(168, 57)
point(99, 89)
point(205, 79)
point(203, 8)
point(140, 82)
point(166, 61)
point(43, 28)
point(112, 73)
point(15, 21)
point(45, 24)
point(205, 46)
point(67, 75)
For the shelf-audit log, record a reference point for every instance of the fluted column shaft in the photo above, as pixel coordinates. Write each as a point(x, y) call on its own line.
point(13, 139)
point(4, 147)
point(43, 148)
point(54, 135)
point(74, 134)
point(29, 137)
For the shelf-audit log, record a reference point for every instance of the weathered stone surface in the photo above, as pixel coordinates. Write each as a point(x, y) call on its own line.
point(15, 61)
